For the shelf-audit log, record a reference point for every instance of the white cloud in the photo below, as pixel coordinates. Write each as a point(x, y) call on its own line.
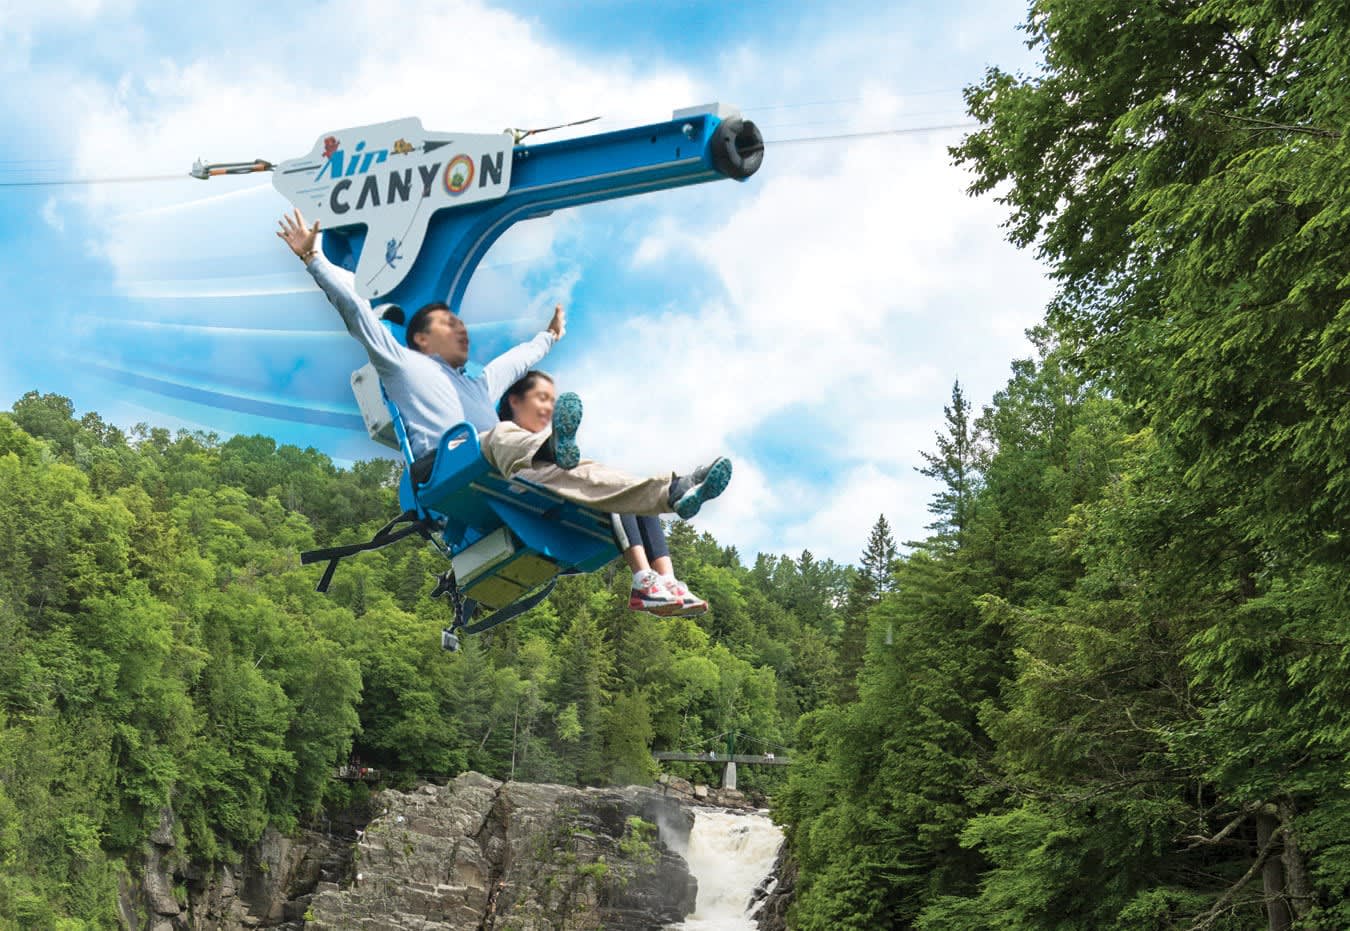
point(779, 513)
point(51, 215)
point(838, 528)
point(22, 21)
point(857, 284)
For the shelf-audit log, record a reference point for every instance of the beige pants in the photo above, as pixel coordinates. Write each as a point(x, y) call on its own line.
point(510, 449)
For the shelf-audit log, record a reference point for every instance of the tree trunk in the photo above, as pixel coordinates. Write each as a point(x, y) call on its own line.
point(1297, 886)
point(1272, 874)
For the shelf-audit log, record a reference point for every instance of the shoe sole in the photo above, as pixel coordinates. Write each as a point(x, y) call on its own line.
point(693, 610)
point(713, 484)
point(669, 610)
point(566, 422)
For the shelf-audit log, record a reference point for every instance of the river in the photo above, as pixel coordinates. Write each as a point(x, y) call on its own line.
point(729, 854)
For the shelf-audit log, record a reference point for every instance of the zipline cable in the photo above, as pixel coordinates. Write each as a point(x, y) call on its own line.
point(824, 103)
point(260, 165)
point(200, 171)
point(872, 134)
point(131, 179)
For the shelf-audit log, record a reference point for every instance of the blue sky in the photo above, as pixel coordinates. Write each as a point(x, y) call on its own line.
point(809, 322)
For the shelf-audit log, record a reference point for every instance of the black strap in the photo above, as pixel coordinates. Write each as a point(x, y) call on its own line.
point(421, 469)
point(510, 611)
point(383, 537)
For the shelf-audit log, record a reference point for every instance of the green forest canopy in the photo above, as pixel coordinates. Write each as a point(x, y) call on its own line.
point(160, 645)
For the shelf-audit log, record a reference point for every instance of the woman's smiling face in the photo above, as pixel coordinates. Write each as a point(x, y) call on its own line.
point(534, 409)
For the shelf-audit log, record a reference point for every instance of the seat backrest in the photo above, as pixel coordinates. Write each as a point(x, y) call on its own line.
point(447, 496)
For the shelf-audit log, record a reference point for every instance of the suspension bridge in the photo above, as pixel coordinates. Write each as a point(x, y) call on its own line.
point(728, 758)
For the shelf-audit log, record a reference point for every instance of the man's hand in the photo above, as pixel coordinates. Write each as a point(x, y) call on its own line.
point(558, 325)
point(303, 240)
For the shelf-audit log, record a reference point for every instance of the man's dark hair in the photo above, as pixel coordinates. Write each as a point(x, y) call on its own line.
point(422, 319)
point(519, 390)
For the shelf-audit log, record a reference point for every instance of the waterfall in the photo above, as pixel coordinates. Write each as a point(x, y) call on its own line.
point(729, 854)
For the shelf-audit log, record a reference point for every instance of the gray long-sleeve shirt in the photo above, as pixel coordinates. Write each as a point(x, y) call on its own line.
point(431, 395)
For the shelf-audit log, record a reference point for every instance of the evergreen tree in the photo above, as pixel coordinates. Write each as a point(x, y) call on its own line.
point(1186, 180)
point(955, 464)
point(581, 692)
point(873, 580)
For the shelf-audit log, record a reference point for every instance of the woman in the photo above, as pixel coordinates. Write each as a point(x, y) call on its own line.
point(532, 403)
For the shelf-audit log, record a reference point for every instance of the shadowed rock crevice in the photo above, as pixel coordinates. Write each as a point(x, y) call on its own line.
point(772, 899)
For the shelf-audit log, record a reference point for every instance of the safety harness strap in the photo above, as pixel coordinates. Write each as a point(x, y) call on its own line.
point(383, 537)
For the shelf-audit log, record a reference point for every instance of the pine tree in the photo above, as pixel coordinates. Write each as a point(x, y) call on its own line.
point(873, 579)
point(956, 465)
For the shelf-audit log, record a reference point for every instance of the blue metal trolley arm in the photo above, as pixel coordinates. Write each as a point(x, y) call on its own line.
point(690, 150)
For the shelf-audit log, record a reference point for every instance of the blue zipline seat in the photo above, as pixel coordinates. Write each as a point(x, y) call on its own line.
point(505, 537)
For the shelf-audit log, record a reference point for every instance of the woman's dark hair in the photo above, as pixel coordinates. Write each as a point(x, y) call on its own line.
point(519, 390)
point(422, 319)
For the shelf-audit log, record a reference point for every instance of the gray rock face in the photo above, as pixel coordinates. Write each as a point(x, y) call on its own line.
point(271, 888)
point(777, 893)
point(153, 902)
point(476, 854)
point(480, 855)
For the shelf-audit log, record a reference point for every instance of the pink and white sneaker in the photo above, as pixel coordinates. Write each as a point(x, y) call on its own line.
point(690, 604)
point(652, 595)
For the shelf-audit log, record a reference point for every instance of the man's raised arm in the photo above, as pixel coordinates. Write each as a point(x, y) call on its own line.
point(340, 287)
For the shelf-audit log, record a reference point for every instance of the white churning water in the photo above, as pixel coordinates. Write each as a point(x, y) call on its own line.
point(729, 854)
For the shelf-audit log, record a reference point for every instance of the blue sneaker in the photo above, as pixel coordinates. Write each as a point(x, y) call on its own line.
point(566, 422)
point(689, 492)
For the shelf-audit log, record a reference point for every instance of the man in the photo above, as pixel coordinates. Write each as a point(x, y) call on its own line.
point(426, 379)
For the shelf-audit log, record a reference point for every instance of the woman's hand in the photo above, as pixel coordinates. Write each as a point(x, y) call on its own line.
point(303, 240)
point(558, 325)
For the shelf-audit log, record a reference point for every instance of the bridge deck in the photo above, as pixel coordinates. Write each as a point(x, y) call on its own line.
point(756, 759)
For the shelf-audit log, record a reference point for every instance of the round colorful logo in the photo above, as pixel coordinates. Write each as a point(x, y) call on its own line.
point(458, 174)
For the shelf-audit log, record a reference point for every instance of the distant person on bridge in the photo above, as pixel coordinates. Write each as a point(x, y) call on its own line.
point(427, 380)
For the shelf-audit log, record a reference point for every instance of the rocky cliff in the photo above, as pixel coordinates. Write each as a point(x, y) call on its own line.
point(481, 855)
point(774, 897)
point(271, 886)
point(474, 854)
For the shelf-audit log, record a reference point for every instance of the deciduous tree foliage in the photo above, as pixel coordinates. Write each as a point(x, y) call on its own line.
point(161, 647)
